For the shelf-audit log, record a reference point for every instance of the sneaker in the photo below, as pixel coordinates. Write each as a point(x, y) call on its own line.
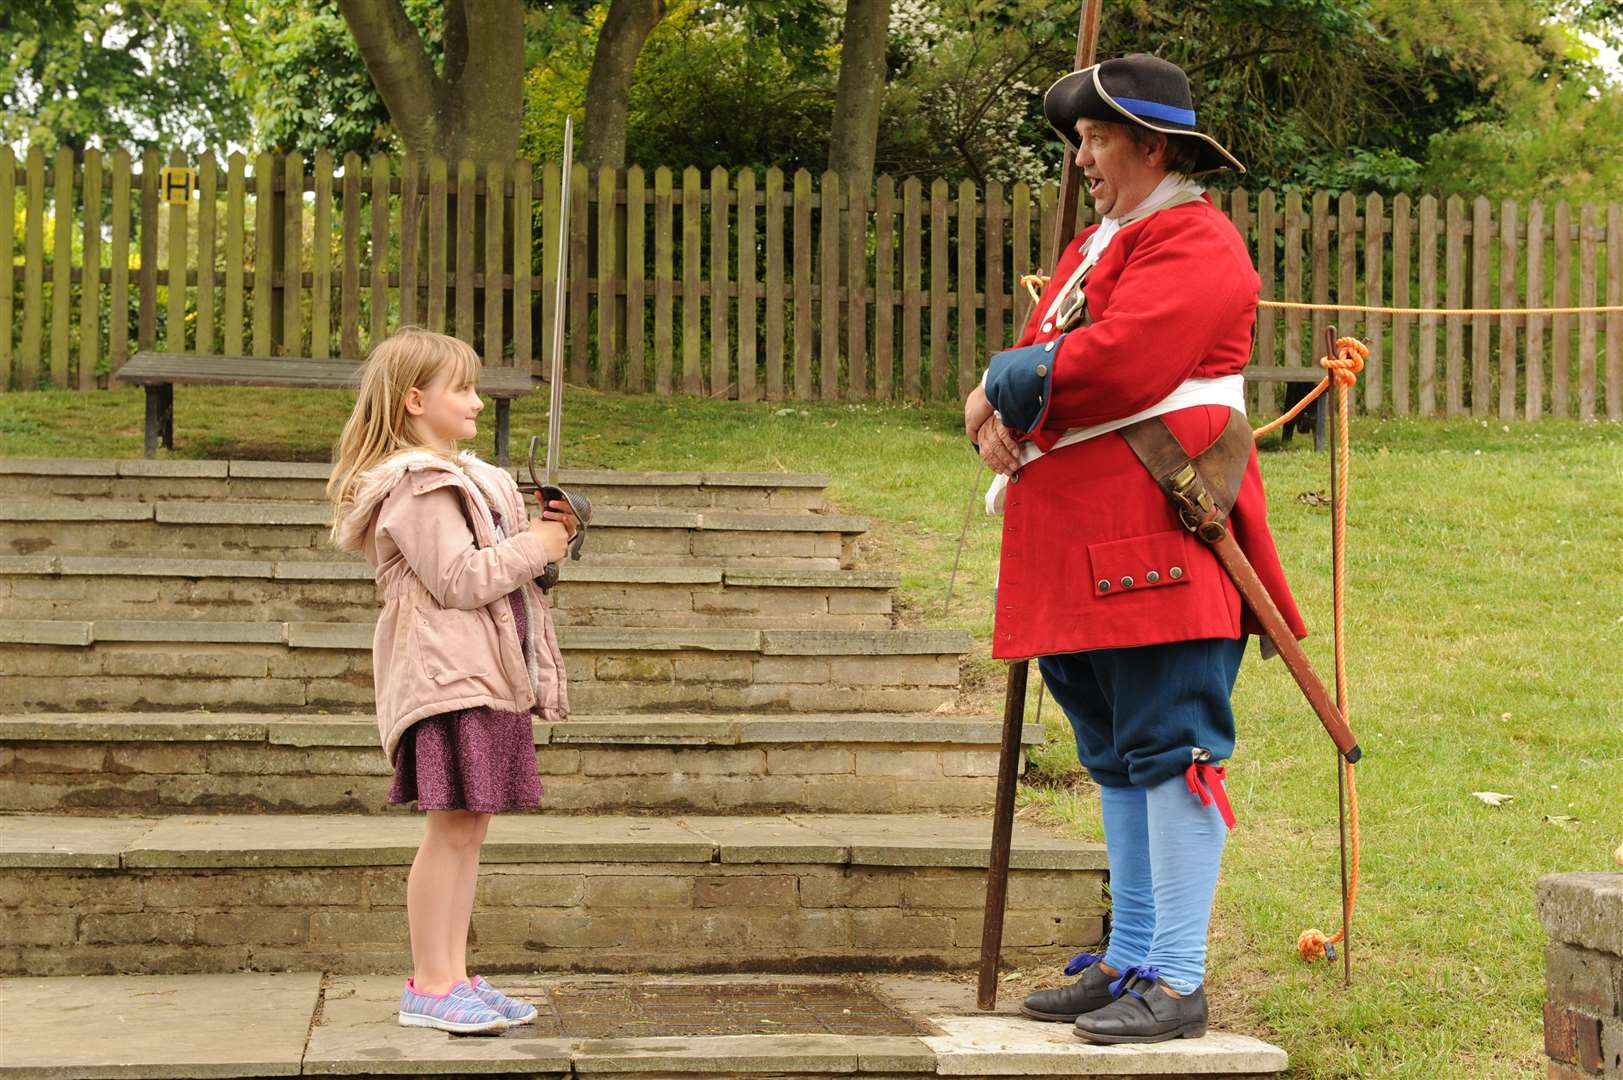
point(459, 1010)
point(517, 1012)
point(1091, 991)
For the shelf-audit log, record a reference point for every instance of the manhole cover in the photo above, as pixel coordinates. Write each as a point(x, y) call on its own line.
point(604, 1010)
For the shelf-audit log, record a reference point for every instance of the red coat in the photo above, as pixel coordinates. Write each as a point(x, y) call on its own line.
point(1173, 296)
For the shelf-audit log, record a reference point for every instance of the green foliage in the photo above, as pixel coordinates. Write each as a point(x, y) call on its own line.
point(158, 73)
point(312, 89)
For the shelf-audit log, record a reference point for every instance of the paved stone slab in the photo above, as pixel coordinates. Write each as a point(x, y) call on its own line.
point(159, 1026)
point(144, 567)
point(194, 631)
point(280, 470)
point(135, 727)
point(1006, 1046)
point(865, 642)
point(765, 479)
point(58, 467)
point(770, 838)
point(622, 518)
point(392, 840)
point(178, 468)
point(30, 564)
point(351, 569)
point(949, 840)
point(359, 1034)
point(882, 727)
point(640, 575)
point(46, 632)
point(720, 1055)
point(815, 579)
point(219, 512)
point(688, 730)
point(329, 635)
point(45, 841)
point(50, 509)
point(657, 639)
point(780, 521)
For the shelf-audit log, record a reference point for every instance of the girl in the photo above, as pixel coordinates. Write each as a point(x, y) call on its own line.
point(464, 649)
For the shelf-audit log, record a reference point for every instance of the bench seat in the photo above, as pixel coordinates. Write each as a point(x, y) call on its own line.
point(160, 372)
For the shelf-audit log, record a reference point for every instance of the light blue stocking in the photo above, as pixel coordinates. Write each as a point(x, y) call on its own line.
point(1185, 848)
point(1132, 903)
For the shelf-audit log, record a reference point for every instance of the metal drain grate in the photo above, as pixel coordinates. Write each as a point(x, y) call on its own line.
point(600, 1010)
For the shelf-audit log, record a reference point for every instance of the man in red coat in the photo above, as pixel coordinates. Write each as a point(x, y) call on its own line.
point(1137, 629)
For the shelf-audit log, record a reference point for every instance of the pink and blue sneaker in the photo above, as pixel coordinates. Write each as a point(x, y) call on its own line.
point(517, 1012)
point(459, 1010)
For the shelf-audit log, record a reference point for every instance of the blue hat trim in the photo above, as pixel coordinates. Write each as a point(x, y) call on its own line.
point(1157, 111)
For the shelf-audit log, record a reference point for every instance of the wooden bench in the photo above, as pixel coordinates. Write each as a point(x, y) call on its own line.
point(1292, 377)
point(159, 372)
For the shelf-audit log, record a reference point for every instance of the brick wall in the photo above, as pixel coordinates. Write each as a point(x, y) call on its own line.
point(1582, 914)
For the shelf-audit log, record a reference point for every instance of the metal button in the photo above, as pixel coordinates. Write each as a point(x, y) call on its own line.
point(1176, 572)
point(1127, 582)
point(1152, 577)
point(1050, 346)
point(1104, 586)
point(1042, 369)
point(1047, 326)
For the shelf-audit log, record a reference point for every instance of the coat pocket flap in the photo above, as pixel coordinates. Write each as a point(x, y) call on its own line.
point(1140, 562)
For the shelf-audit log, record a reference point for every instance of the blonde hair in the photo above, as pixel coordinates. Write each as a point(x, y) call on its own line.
point(379, 427)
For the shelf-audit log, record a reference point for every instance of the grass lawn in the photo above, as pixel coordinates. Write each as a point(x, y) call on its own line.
point(1484, 630)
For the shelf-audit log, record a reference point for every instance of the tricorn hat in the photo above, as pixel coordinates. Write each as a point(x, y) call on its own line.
point(1137, 89)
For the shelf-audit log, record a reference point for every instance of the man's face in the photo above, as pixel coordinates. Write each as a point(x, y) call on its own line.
point(1119, 172)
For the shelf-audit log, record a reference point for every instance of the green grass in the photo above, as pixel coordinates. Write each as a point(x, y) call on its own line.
point(1484, 628)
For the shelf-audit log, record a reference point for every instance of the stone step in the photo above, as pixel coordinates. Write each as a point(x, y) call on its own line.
point(342, 590)
point(741, 1025)
point(219, 893)
point(138, 478)
point(298, 530)
point(193, 762)
point(57, 665)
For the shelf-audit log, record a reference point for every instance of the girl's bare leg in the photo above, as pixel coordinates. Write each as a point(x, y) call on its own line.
point(461, 915)
point(432, 895)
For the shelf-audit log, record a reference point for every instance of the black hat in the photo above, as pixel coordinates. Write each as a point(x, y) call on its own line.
point(1138, 89)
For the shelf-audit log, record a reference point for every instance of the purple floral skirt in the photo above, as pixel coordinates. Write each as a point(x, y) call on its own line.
point(480, 759)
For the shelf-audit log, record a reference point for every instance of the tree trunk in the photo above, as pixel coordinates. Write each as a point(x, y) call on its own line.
point(861, 90)
point(608, 87)
point(469, 110)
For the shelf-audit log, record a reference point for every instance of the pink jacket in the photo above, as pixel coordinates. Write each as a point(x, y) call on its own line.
point(446, 638)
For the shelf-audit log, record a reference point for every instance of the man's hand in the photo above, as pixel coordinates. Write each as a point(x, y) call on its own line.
point(977, 410)
point(998, 448)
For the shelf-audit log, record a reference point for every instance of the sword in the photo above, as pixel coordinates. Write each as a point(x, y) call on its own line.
point(548, 491)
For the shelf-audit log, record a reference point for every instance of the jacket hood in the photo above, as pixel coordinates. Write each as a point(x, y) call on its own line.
point(353, 520)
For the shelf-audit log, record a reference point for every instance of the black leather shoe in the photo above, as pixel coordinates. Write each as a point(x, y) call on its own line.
point(1144, 1012)
point(1091, 991)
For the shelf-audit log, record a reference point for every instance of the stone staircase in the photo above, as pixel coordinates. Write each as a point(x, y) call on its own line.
point(764, 773)
point(760, 760)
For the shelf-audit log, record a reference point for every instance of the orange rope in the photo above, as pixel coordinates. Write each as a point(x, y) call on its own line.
point(1293, 305)
point(1343, 370)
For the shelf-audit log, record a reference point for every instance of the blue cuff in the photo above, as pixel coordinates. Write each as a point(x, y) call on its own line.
point(1019, 383)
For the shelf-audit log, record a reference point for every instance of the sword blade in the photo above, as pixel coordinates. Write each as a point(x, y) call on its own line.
point(555, 411)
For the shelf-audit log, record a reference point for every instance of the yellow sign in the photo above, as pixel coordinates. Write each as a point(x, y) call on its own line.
point(176, 182)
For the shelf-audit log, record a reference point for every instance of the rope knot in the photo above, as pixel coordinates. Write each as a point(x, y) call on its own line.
point(1348, 361)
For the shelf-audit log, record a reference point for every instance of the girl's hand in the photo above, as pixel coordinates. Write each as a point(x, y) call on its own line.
point(558, 510)
point(554, 537)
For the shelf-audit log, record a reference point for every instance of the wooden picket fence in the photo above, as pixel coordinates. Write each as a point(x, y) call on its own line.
point(737, 286)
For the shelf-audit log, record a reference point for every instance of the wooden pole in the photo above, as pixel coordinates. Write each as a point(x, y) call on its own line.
point(1014, 700)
